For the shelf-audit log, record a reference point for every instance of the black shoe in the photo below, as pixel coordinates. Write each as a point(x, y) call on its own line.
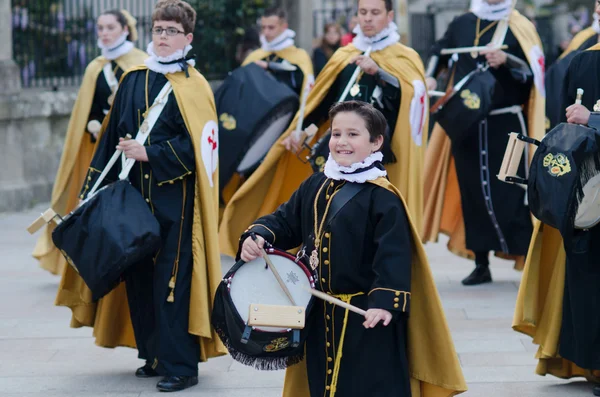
point(176, 383)
point(480, 275)
point(146, 372)
point(597, 390)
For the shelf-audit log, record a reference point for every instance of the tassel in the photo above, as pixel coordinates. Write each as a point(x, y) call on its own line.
point(172, 282)
point(171, 298)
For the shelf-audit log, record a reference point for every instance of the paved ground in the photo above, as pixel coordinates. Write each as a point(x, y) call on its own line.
point(41, 356)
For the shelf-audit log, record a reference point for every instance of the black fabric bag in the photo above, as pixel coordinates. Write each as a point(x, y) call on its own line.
point(469, 105)
point(563, 163)
point(106, 235)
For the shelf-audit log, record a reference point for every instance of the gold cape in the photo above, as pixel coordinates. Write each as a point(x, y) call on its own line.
point(281, 172)
point(578, 40)
point(538, 312)
point(76, 158)
point(110, 316)
point(443, 211)
point(433, 362)
point(294, 55)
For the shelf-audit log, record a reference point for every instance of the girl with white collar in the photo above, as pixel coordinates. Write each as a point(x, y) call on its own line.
point(116, 30)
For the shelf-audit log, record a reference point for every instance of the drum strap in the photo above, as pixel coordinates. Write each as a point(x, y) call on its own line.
point(345, 194)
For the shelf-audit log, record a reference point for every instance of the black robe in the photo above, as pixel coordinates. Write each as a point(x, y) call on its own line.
point(554, 79)
point(293, 79)
point(365, 250)
point(167, 182)
point(580, 328)
point(100, 105)
point(496, 217)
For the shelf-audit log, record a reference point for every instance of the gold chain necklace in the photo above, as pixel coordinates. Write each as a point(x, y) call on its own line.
point(479, 34)
point(318, 228)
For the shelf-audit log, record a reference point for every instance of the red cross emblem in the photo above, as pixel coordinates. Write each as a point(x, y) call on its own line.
point(213, 143)
point(422, 102)
point(542, 63)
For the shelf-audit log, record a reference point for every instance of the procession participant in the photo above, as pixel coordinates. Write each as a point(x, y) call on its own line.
point(463, 196)
point(368, 253)
point(278, 53)
point(391, 78)
point(169, 294)
point(116, 31)
point(556, 73)
point(557, 304)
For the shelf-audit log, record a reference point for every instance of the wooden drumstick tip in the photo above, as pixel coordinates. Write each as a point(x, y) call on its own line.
point(579, 96)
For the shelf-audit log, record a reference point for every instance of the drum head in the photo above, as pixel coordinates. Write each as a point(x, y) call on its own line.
point(255, 283)
point(261, 145)
point(588, 212)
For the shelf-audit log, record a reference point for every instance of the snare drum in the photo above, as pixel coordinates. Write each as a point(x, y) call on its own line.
point(265, 348)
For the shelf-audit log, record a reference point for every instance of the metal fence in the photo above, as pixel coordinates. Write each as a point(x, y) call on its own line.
point(339, 11)
point(54, 40)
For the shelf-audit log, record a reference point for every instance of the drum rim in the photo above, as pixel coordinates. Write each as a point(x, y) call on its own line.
point(287, 255)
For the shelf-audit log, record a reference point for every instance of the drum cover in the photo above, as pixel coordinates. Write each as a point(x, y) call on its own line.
point(468, 106)
point(254, 109)
point(106, 235)
point(563, 181)
point(267, 348)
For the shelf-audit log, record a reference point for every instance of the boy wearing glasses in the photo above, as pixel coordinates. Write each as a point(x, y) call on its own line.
point(169, 294)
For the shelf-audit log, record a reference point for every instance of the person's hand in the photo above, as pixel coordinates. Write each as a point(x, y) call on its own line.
point(374, 316)
point(252, 249)
point(495, 58)
point(132, 149)
point(578, 114)
point(262, 64)
point(366, 64)
point(431, 83)
point(291, 144)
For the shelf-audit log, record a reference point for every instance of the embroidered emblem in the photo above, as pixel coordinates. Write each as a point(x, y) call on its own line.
point(597, 106)
point(558, 165)
point(277, 345)
point(320, 162)
point(228, 121)
point(470, 99)
point(292, 278)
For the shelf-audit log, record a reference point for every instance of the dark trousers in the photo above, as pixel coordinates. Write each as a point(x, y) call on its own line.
point(161, 327)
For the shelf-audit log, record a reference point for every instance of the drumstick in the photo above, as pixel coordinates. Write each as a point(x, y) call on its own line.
point(436, 93)
point(579, 96)
point(353, 78)
point(335, 301)
point(275, 272)
point(463, 50)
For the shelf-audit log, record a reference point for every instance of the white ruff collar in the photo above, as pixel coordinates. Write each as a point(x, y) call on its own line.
point(281, 42)
point(381, 40)
point(596, 24)
point(490, 12)
point(154, 61)
point(117, 49)
point(337, 172)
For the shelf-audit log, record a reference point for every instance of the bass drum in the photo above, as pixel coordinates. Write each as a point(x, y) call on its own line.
point(254, 109)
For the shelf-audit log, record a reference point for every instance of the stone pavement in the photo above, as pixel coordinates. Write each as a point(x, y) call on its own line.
point(41, 356)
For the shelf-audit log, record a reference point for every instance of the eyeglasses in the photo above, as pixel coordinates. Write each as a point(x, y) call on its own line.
point(158, 31)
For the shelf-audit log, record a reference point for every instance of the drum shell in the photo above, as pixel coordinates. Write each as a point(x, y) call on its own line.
point(247, 102)
point(230, 327)
point(106, 235)
point(468, 106)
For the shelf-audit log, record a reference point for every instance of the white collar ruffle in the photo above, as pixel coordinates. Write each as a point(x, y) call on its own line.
point(596, 24)
point(338, 172)
point(281, 42)
point(153, 62)
point(117, 49)
point(381, 40)
point(491, 12)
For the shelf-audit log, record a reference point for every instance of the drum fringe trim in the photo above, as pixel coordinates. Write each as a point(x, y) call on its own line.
point(259, 363)
point(588, 169)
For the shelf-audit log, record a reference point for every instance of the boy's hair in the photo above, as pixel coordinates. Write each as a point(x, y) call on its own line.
point(177, 11)
point(389, 5)
point(275, 12)
point(374, 120)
